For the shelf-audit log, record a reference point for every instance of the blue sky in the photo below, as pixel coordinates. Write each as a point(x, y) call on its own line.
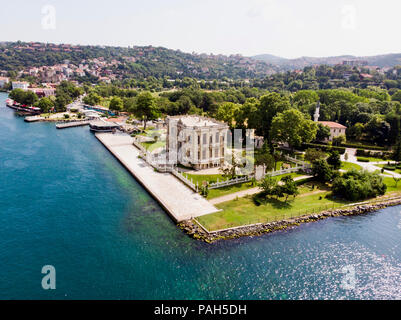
point(288, 28)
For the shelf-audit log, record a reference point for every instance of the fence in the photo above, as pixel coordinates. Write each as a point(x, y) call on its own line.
point(188, 182)
point(229, 182)
point(297, 214)
point(285, 171)
point(298, 162)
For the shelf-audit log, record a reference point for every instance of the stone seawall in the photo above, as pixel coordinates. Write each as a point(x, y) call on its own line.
point(193, 229)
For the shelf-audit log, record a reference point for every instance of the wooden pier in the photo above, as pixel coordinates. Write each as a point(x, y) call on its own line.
point(71, 124)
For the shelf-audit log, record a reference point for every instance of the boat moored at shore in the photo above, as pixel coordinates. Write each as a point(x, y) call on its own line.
point(103, 126)
point(22, 107)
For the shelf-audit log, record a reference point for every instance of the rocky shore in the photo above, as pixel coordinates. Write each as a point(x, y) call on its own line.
point(193, 229)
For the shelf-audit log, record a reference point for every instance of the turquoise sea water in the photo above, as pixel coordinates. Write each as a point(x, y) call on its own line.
point(65, 201)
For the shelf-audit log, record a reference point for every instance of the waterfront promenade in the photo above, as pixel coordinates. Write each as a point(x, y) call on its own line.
point(177, 199)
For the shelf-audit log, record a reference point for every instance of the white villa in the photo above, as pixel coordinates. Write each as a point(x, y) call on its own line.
point(20, 85)
point(336, 129)
point(4, 81)
point(196, 141)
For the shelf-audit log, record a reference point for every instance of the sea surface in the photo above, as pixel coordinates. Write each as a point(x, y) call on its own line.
point(66, 202)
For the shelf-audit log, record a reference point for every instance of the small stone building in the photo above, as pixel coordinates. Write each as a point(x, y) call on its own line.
point(336, 129)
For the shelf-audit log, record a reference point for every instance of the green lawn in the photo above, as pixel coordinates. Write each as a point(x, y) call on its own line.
point(244, 211)
point(199, 178)
point(215, 193)
point(152, 146)
point(373, 159)
point(348, 166)
point(391, 185)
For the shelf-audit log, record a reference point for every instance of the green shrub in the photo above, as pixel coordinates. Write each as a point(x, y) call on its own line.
point(324, 147)
point(389, 168)
point(359, 185)
point(361, 146)
point(360, 159)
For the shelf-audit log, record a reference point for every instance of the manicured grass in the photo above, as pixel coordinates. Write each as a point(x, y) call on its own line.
point(371, 159)
point(348, 166)
point(244, 211)
point(385, 165)
point(216, 193)
point(152, 146)
point(199, 178)
point(391, 184)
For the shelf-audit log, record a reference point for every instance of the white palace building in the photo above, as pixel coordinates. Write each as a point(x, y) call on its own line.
point(196, 141)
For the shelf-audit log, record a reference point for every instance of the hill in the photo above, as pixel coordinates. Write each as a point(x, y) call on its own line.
point(387, 60)
point(140, 62)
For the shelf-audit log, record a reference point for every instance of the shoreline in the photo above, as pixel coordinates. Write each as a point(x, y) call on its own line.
point(195, 230)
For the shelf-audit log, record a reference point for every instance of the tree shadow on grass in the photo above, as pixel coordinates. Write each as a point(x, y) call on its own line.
point(261, 199)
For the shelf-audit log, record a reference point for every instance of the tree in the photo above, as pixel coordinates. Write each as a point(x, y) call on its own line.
point(17, 95)
point(396, 180)
point(226, 113)
point(322, 171)
point(305, 97)
point(292, 127)
point(268, 185)
point(24, 97)
point(396, 96)
point(92, 99)
point(378, 129)
point(312, 155)
point(30, 98)
point(356, 131)
point(146, 108)
point(270, 105)
point(62, 99)
point(334, 160)
point(323, 132)
point(45, 104)
point(339, 140)
point(265, 159)
point(397, 149)
point(359, 185)
point(116, 104)
point(289, 188)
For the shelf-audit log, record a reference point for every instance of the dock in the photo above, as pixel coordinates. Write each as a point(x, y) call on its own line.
point(71, 124)
point(180, 202)
point(33, 119)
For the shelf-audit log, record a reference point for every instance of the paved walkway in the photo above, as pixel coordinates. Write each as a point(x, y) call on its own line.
point(369, 166)
point(244, 193)
point(179, 200)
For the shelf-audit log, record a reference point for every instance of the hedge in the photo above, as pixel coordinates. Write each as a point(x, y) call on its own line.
point(323, 147)
point(376, 154)
point(361, 146)
point(360, 159)
point(389, 168)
